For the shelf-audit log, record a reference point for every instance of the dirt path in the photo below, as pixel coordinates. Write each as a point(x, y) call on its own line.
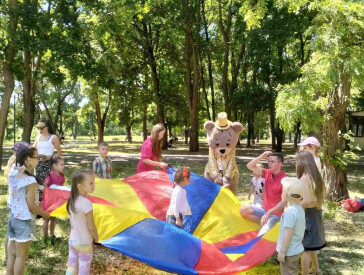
point(124, 152)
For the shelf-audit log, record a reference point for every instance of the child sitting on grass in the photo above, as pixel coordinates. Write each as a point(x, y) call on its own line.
point(83, 229)
point(179, 205)
point(55, 177)
point(23, 205)
point(102, 165)
point(292, 227)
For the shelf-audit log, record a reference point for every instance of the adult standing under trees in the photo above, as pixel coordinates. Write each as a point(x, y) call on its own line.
point(151, 150)
point(45, 143)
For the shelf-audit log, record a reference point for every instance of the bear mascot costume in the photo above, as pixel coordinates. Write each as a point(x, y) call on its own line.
point(222, 136)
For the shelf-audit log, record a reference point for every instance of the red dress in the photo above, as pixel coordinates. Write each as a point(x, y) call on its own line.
point(147, 153)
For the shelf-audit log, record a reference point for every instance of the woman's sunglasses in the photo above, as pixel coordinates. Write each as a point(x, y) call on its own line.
point(41, 128)
point(38, 157)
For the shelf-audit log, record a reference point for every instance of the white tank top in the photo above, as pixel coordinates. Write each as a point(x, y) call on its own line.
point(45, 147)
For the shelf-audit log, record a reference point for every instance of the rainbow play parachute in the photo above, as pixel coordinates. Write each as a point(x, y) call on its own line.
point(130, 218)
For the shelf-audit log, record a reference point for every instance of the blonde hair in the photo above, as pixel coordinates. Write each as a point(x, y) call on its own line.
point(156, 143)
point(315, 148)
point(305, 163)
point(11, 161)
point(78, 177)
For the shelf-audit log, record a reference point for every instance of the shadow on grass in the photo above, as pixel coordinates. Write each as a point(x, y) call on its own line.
point(4, 189)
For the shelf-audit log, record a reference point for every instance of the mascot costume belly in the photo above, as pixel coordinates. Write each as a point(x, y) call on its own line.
point(222, 136)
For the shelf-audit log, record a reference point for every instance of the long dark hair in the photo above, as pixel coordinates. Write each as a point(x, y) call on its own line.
point(156, 143)
point(47, 124)
point(78, 177)
point(22, 155)
point(305, 163)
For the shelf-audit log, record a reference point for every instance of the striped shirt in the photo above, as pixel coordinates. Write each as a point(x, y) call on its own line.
point(102, 167)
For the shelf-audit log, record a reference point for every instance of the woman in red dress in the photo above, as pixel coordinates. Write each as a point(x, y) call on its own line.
point(151, 150)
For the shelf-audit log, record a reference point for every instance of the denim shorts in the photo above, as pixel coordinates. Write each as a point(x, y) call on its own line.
point(20, 230)
point(259, 212)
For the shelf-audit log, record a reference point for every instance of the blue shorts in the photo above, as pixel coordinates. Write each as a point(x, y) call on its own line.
point(272, 220)
point(20, 230)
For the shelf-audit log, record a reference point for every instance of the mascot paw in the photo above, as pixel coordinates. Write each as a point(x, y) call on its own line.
point(219, 180)
point(226, 185)
point(226, 181)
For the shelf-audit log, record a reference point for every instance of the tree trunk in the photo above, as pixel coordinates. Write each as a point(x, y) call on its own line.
point(297, 133)
point(149, 51)
point(194, 145)
point(144, 119)
point(187, 134)
point(272, 123)
point(226, 36)
point(28, 95)
point(205, 92)
point(61, 123)
point(101, 119)
point(235, 70)
point(248, 142)
point(252, 128)
point(334, 142)
point(8, 74)
point(280, 137)
point(192, 92)
point(209, 66)
point(169, 126)
point(128, 133)
point(74, 132)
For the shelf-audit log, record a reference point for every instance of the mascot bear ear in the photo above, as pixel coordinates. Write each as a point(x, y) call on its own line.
point(237, 127)
point(209, 125)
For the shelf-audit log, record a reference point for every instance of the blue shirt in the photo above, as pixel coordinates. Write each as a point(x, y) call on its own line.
point(293, 217)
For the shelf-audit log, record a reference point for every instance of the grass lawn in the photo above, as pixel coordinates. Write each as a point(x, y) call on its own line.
point(344, 253)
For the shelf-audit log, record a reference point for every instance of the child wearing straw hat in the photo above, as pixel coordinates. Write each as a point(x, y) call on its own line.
point(292, 227)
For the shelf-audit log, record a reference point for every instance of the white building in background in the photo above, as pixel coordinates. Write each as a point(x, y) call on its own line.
point(357, 127)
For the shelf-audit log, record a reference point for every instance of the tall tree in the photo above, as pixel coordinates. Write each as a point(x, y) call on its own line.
point(192, 44)
point(322, 95)
point(8, 53)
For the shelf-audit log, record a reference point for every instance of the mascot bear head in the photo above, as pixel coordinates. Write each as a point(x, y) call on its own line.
point(223, 135)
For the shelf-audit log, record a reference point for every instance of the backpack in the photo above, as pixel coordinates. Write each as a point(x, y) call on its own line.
point(352, 205)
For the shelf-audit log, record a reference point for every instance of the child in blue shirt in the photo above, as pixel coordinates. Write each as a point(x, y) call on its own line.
point(292, 227)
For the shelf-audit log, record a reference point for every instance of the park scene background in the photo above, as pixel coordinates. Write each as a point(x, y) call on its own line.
point(109, 70)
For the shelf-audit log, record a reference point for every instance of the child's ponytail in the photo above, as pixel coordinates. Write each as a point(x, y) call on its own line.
point(181, 174)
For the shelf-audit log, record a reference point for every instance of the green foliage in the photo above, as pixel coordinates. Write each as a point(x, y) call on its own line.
point(335, 50)
point(343, 158)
